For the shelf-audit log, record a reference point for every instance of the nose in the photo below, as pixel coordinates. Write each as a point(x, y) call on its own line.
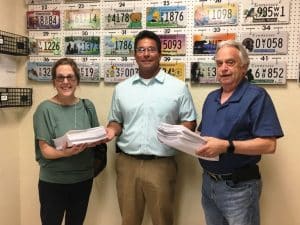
point(223, 66)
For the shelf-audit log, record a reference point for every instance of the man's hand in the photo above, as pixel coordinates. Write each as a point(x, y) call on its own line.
point(213, 147)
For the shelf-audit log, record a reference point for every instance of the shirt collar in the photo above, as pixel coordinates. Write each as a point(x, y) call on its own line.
point(238, 92)
point(160, 77)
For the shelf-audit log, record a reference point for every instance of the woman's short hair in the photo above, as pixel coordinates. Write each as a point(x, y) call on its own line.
point(66, 61)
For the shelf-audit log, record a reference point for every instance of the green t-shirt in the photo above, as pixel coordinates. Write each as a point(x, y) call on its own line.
point(52, 120)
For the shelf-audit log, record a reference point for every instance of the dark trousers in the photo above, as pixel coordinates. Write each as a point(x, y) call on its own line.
point(59, 199)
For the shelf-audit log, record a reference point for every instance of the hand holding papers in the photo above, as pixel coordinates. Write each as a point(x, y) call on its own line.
point(181, 138)
point(75, 137)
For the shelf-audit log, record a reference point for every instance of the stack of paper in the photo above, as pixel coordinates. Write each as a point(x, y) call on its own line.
point(181, 138)
point(74, 137)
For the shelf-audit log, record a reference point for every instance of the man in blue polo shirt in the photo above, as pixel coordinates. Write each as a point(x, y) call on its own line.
point(240, 123)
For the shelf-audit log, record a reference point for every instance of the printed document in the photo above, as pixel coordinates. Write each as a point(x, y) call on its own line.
point(74, 137)
point(181, 138)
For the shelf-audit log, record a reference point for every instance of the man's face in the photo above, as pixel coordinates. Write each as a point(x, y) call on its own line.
point(230, 70)
point(147, 57)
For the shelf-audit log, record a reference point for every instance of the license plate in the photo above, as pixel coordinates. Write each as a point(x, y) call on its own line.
point(166, 16)
point(43, 20)
point(267, 72)
point(216, 14)
point(207, 44)
point(129, 18)
point(45, 46)
point(79, 1)
point(82, 45)
point(39, 71)
point(36, 2)
point(267, 42)
point(176, 69)
point(119, 45)
point(115, 72)
point(89, 72)
point(82, 19)
point(265, 12)
point(119, 0)
point(203, 73)
point(173, 44)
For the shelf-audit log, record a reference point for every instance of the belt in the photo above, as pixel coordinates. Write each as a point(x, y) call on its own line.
point(219, 177)
point(242, 174)
point(145, 157)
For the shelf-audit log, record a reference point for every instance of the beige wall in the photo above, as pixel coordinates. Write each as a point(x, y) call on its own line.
point(280, 202)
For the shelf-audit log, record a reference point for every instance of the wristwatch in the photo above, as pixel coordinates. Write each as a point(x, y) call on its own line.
point(230, 148)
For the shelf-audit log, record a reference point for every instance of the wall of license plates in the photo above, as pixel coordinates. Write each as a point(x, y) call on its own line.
point(100, 36)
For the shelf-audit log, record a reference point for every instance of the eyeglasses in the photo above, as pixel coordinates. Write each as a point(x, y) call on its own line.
point(229, 63)
point(141, 50)
point(62, 78)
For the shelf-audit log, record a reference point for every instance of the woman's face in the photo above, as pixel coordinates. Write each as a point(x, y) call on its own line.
point(65, 81)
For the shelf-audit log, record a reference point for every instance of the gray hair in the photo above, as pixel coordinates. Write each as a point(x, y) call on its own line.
point(242, 51)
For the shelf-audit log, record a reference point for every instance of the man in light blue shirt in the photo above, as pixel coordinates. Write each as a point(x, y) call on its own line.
point(146, 169)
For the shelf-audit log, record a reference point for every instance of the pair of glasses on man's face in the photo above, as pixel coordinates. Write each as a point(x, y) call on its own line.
point(62, 78)
point(142, 50)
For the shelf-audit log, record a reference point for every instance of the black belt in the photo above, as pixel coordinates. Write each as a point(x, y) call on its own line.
point(145, 157)
point(239, 175)
point(219, 177)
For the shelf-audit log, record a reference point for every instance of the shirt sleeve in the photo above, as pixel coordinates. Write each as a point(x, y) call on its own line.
point(43, 125)
point(115, 113)
point(187, 109)
point(264, 117)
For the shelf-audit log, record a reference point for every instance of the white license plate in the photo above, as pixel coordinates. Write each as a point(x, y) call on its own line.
point(43, 20)
point(215, 14)
point(89, 72)
point(41, 71)
point(82, 45)
point(203, 73)
point(119, 45)
point(45, 46)
point(36, 2)
point(267, 42)
point(166, 16)
point(267, 72)
point(79, 1)
point(176, 69)
point(265, 12)
point(172, 44)
point(115, 72)
point(82, 19)
point(129, 18)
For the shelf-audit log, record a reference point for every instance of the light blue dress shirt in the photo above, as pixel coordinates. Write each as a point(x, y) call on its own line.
point(141, 107)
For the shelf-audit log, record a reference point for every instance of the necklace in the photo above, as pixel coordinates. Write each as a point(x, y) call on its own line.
point(63, 106)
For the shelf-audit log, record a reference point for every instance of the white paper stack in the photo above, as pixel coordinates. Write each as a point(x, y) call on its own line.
point(181, 138)
point(74, 137)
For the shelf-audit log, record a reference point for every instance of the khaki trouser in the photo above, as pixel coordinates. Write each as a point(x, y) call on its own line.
point(146, 182)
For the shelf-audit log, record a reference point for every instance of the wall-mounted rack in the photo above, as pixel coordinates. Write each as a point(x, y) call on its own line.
point(15, 97)
point(13, 44)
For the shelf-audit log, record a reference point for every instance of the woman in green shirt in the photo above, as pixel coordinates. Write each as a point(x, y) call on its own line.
point(66, 176)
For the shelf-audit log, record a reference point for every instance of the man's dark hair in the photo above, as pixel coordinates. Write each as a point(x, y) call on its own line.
point(147, 34)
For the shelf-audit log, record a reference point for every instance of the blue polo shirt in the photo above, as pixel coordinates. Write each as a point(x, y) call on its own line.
point(141, 106)
point(249, 113)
